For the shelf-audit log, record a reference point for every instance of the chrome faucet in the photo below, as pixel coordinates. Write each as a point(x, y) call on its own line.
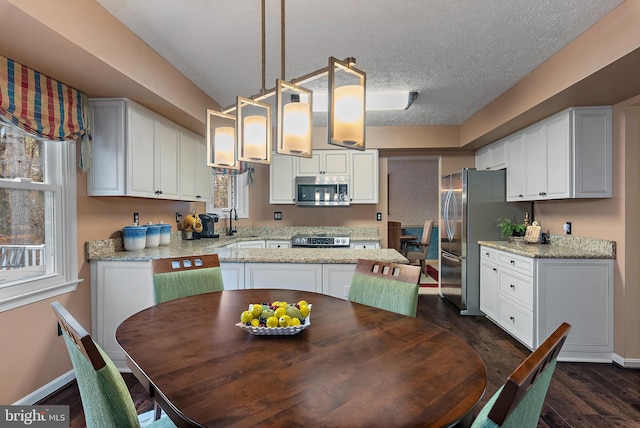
point(233, 215)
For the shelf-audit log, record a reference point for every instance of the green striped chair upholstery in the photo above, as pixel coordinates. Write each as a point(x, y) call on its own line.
point(519, 401)
point(177, 277)
point(389, 286)
point(105, 398)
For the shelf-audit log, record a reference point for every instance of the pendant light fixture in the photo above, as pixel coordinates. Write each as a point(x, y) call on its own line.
point(242, 132)
point(346, 104)
point(221, 140)
point(293, 104)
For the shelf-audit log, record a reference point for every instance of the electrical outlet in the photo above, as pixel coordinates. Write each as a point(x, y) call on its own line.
point(178, 216)
point(277, 215)
point(379, 216)
point(136, 219)
point(567, 228)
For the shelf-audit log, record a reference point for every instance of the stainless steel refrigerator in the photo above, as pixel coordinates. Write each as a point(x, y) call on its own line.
point(472, 201)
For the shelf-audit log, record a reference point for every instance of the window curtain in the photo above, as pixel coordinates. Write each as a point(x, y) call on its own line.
point(43, 106)
point(243, 167)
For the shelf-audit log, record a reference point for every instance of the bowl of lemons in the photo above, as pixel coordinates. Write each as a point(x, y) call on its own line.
point(276, 318)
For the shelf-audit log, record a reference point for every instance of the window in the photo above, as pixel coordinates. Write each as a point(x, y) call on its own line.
point(38, 238)
point(230, 191)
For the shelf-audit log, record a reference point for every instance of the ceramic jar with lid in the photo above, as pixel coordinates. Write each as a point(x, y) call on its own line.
point(134, 237)
point(153, 235)
point(165, 233)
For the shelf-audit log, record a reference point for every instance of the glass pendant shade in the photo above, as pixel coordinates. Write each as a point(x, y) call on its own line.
point(349, 113)
point(254, 133)
point(346, 105)
point(221, 140)
point(295, 120)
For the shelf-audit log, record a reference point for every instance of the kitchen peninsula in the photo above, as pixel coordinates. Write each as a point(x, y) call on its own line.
point(121, 282)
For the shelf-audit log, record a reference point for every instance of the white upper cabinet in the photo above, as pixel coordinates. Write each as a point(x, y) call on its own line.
point(324, 162)
point(360, 166)
point(568, 155)
point(195, 176)
point(492, 157)
point(137, 152)
point(281, 179)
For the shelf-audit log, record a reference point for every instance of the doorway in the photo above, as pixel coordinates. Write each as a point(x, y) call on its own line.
point(414, 197)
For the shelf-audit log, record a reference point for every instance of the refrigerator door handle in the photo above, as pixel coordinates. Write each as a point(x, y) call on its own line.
point(450, 258)
point(454, 223)
point(449, 214)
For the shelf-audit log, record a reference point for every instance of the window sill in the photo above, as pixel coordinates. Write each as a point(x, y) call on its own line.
point(25, 298)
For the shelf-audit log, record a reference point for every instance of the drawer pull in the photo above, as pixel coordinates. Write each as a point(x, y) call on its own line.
point(495, 269)
point(513, 262)
point(512, 319)
point(513, 287)
point(486, 254)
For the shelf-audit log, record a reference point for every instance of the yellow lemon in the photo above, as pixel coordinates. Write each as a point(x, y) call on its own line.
point(246, 316)
point(275, 304)
point(295, 322)
point(279, 312)
point(256, 310)
point(282, 304)
point(284, 321)
point(272, 322)
point(304, 310)
point(302, 302)
point(255, 322)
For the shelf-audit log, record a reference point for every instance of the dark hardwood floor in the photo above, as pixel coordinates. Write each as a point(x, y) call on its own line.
point(580, 395)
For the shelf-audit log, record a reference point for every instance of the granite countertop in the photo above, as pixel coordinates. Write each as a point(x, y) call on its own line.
point(113, 250)
point(559, 247)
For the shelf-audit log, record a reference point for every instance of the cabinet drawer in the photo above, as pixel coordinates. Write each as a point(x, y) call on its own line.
point(487, 253)
point(516, 320)
point(518, 263)
point(516, 286)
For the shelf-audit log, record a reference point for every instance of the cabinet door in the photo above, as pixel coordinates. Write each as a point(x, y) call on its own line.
point(289, 276)
point(364, 177)
point(483, 158)
point(309, 166)
point(516, 168)
point(204, 174)
point(336, 279)
point(189, 154)
point(557, 158)
point(592, 175)
point(232, 275)
point(335, 162)
point(140, 153)
point(363, 245)
point(278, 244)
point(281, 179)
point(498, 155)
point(535, 155)
point(106, 177)
point(167, 144)
point(489, 288)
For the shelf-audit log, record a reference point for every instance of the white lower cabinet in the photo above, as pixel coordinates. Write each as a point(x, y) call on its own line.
point(530, 297)
point(250, 244)
point(288, 276)
point(278, 244)
point(360, 245)
point(336, 279)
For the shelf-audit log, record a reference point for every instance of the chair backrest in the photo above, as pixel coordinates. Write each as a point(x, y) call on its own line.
point(519, 401)
point(425, 239)
point(177, 277)
point(390, 286)
point(11, 257)
point(105, 397)
point(394, 231)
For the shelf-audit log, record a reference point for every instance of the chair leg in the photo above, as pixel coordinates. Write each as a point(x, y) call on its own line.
point(157, 411)
point(423, 266)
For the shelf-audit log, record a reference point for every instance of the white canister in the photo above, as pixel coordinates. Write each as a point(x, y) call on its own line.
point(134, 237)
point(153, 235)
point(165, 233)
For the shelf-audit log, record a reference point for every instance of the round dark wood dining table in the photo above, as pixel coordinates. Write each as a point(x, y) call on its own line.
point(353, 366)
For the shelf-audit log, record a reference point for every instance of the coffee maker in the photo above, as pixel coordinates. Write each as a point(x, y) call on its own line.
point(208, 220)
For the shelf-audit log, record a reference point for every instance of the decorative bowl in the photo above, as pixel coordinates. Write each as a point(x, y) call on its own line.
point(277, 331)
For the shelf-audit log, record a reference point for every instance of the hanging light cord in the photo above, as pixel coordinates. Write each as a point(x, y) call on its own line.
point(264, 49)
point(282, 45)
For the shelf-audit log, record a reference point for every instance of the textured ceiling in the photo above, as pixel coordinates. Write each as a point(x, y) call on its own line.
point(459, 54)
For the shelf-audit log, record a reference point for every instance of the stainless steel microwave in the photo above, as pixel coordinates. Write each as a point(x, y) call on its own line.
point(322, 191)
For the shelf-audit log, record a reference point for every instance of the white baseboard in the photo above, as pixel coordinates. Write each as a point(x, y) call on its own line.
point(47, 389)
point(627, 363)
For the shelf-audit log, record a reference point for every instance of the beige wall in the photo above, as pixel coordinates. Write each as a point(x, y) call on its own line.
point(101, 58)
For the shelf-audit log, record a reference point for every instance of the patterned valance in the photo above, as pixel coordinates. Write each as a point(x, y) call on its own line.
point(40, 105)
point(243, 167)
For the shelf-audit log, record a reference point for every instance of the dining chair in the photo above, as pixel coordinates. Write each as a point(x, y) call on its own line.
point(176, 277)
point(419, 249)
point(519, 401)
point(104, 394)
point(390, 286)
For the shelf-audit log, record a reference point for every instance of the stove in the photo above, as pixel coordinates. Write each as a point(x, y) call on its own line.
point(321, 241)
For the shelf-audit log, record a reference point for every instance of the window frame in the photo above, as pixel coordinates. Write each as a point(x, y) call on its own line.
point(240, 193)
point(60, 160)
